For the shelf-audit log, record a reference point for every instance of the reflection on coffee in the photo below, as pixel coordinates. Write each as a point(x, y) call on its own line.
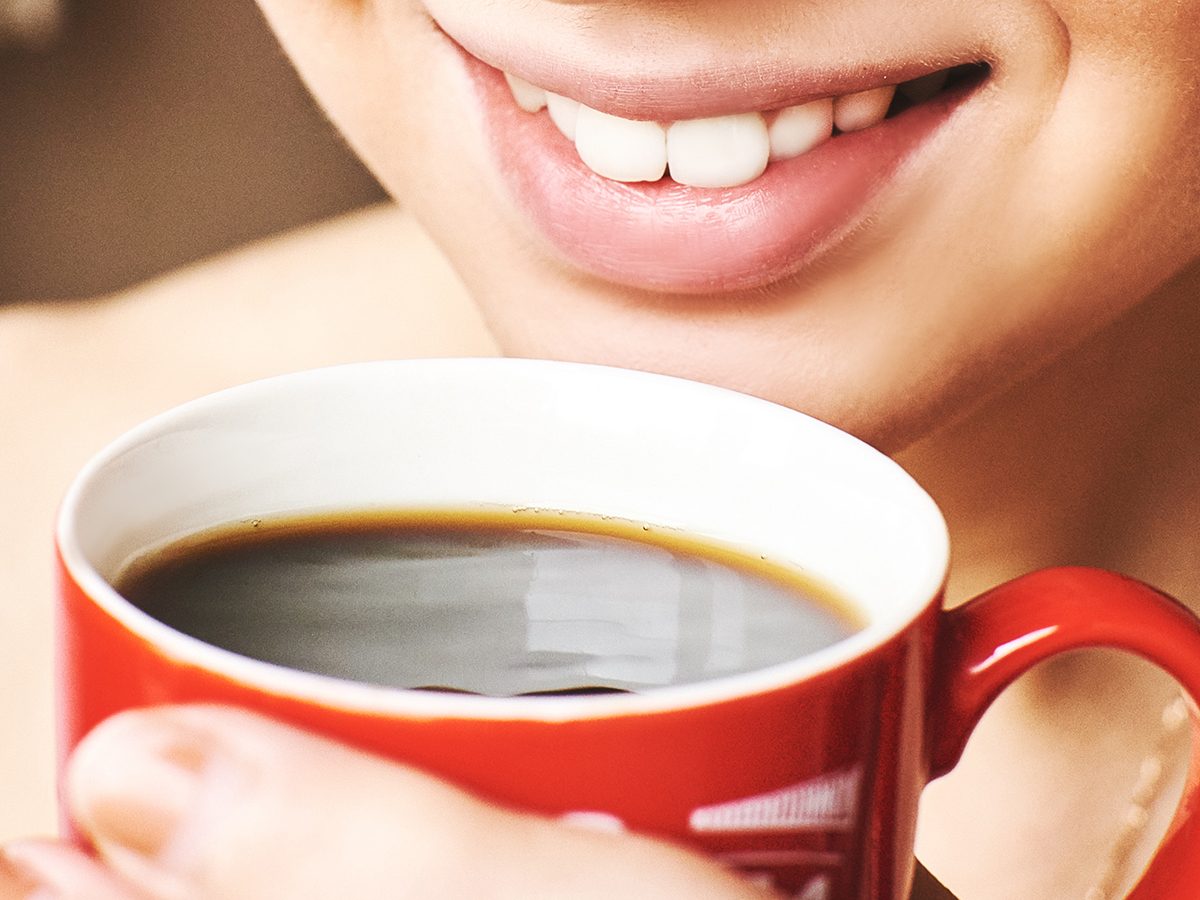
point(487, 602)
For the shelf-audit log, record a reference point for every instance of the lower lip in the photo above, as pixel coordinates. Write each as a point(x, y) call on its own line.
point(673, 238)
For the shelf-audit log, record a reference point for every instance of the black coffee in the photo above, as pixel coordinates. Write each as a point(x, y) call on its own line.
point(486, 602)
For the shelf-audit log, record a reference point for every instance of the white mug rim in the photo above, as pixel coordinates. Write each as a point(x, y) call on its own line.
point(306, 687)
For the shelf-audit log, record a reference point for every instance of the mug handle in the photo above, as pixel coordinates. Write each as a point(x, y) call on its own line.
point(984, 645)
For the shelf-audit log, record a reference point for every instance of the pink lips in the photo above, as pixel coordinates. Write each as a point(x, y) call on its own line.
point(669, 237)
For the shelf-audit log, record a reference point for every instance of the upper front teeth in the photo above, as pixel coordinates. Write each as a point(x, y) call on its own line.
point(620, 149)
point(718, 152)
point(854, 112)
point(564, 112)
point(798, 129)
point(529, 97)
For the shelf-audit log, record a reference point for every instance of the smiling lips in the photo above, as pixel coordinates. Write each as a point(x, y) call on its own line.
point(709, 204)
point(712, 152)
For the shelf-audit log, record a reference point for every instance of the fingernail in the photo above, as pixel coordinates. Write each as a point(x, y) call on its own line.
point(593, 821)
point(145, 785)
point(21, 879)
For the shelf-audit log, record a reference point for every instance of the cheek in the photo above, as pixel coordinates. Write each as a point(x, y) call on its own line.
point(1081, 217)
point(1131, 113)
point(371, 64)
point(1132, 29)
point(1142, 55)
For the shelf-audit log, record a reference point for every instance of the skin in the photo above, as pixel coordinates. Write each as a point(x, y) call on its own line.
point(1076, 211)
point(1020, 332)
point(1035, 290)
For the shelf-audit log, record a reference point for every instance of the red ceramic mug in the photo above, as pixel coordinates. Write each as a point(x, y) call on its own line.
point(805, 773)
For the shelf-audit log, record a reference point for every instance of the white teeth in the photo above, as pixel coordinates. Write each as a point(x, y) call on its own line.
point(921, 89)
point(717, 152)
point(621, 149)
point(725, 151)
point(854, 112)
point(798, 129)
point(529, 97)
point(563, 112)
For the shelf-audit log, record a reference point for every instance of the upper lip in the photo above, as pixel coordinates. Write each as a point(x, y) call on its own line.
point(664, 91)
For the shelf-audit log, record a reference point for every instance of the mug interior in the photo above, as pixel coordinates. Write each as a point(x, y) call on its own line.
point(515, 434)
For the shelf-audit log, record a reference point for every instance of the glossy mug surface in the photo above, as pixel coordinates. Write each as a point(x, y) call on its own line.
point(803, 773)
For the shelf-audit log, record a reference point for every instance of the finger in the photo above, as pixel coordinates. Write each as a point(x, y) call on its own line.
point(198, 802)
point(41, 870)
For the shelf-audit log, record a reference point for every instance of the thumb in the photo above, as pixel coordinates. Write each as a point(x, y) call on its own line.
point(198, 802)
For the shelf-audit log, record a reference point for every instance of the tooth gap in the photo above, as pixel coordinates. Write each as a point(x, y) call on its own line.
point(972, 73)
point(956, 76)
point(899, 104)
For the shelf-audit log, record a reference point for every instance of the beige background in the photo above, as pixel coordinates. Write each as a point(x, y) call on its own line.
point(75, 375)
point(148, 134)
point(151, 133)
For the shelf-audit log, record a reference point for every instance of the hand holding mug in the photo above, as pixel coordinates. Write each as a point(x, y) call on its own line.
point(801, 772)
point(128, 776)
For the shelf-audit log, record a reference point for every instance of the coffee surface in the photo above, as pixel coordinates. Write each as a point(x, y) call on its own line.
point(486, 602)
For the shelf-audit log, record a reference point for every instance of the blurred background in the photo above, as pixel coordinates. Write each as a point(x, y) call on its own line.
point(139, 135)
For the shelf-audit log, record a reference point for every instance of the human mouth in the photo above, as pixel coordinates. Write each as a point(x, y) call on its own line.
point(673, 190)
point(719, 151)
